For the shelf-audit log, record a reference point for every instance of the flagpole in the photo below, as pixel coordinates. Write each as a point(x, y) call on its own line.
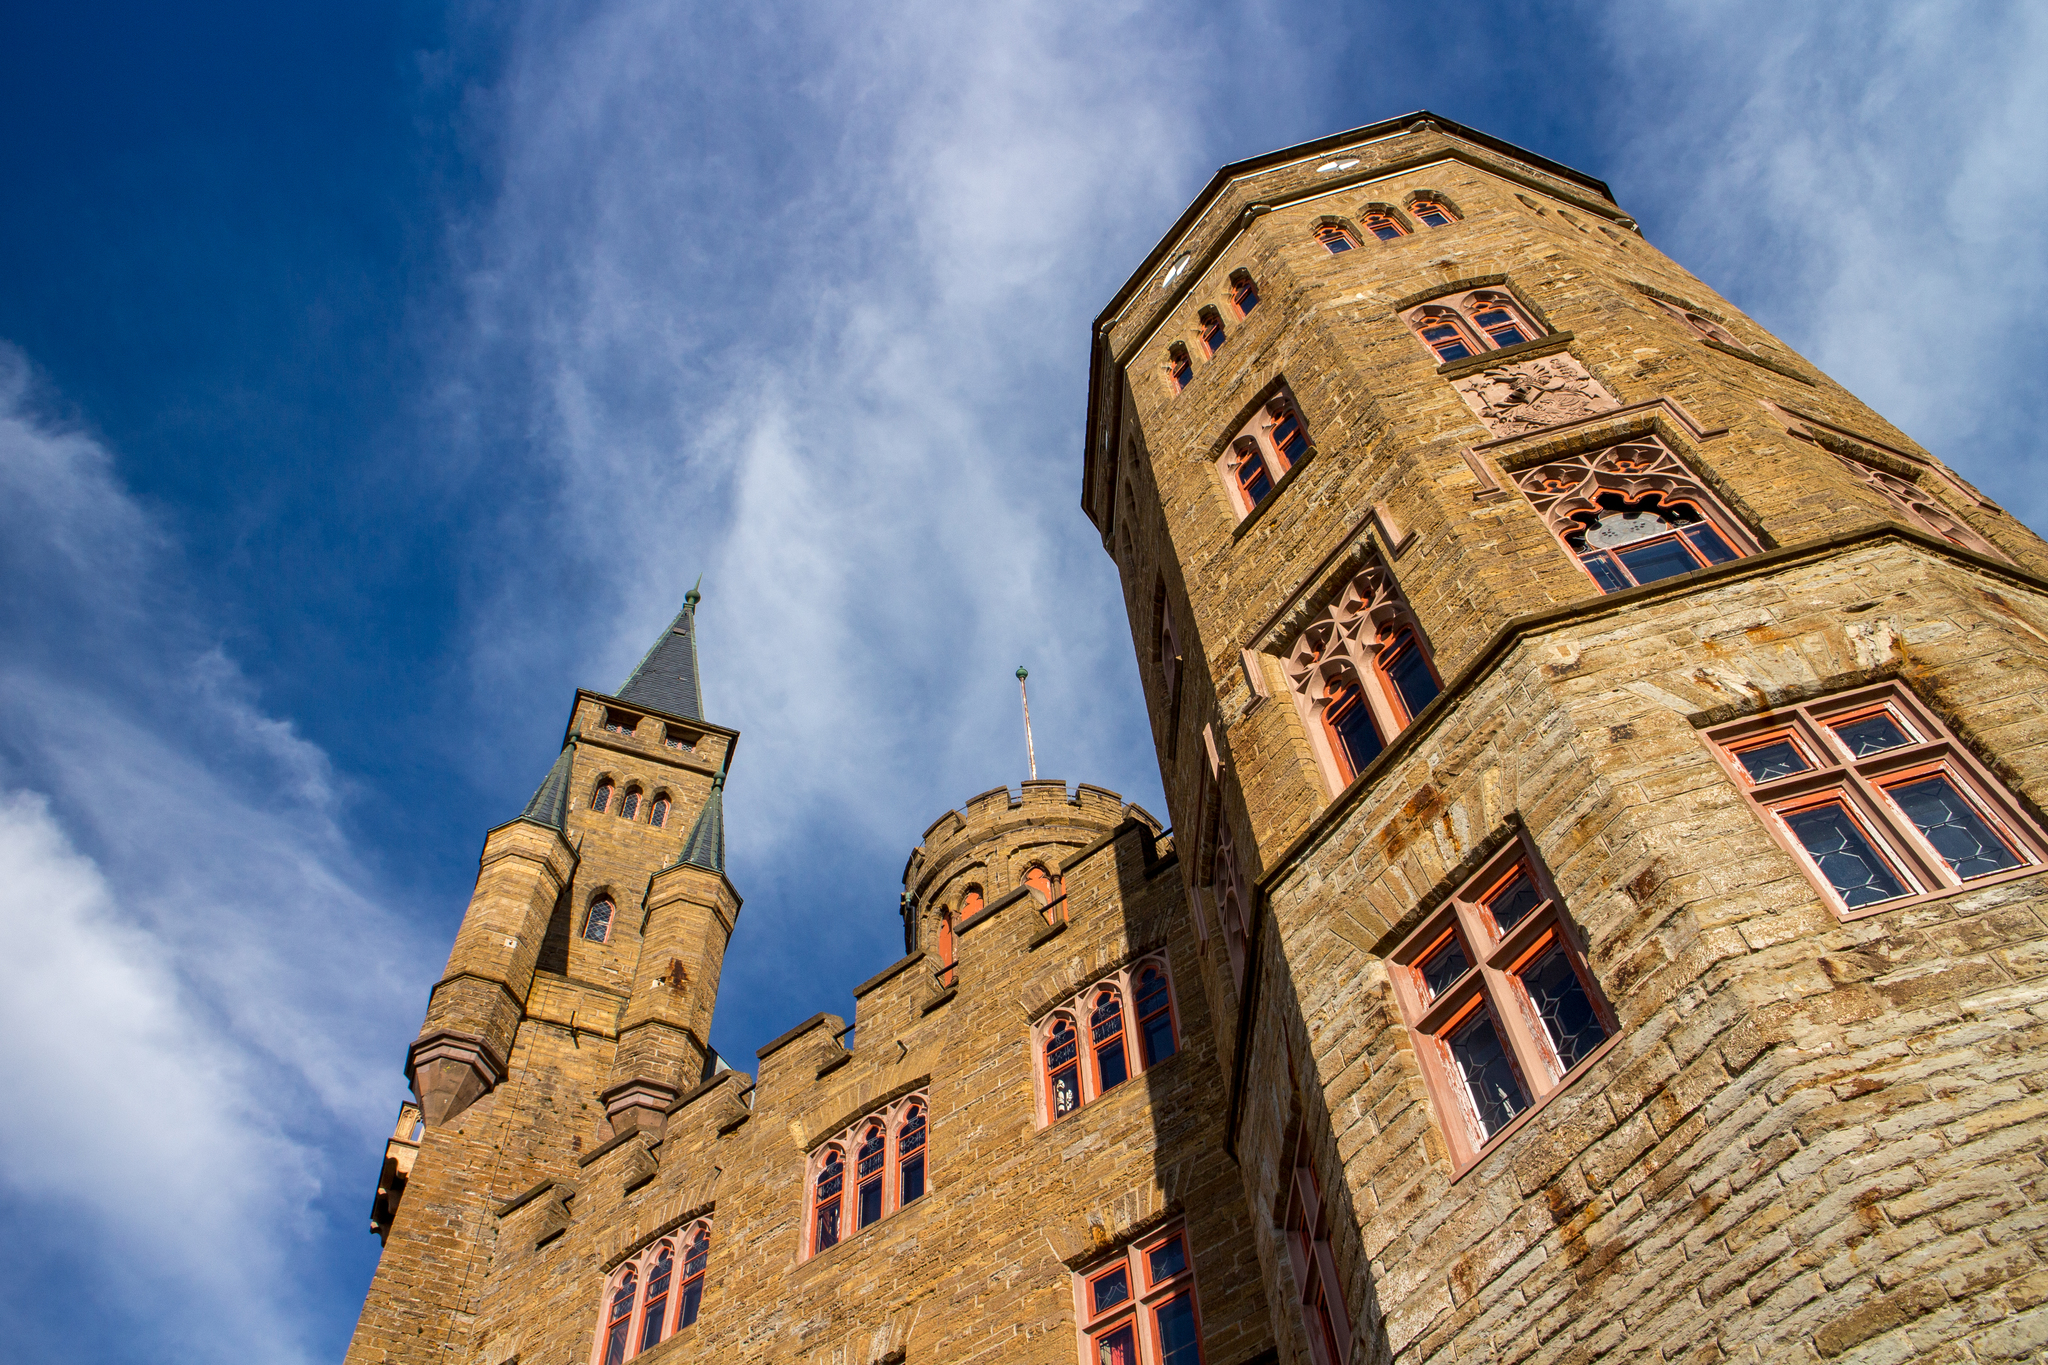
point(1022, 691)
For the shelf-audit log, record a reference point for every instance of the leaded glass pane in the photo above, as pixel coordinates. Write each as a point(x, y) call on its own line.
point(1442, 968)
point(1168, 1260)
point(1489, 1077)
point(1177, 1342)
point(1110, 1290)
point(1515, 900)
point(1562, 1004)
point(1768, 762)
point(1845, 857)
point(1962, 837)
point(1872, 734)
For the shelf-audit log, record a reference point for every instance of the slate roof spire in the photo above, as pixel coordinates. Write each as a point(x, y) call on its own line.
point(666, 679)
point(550, 803)
point(705, 847)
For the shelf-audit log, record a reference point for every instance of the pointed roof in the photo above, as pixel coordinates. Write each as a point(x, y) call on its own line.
point(705, 847)
point(666, 679)
point(550, 803)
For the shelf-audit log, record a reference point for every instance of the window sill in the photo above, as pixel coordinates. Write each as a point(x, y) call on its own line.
point(1521, 350)
point(1776, 367)
point(1250, 518)
point(1129, 1084)
point(1947, 893)
point(859, 1235)
point(1506, 1135)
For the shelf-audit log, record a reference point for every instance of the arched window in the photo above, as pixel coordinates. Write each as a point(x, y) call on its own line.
point(890, 1170)
point(946, 945)
point(1213, 335)
point(1040, 884)
point(826, 1199)
point(1062, 1066)
point(970, 905)
point(870, 1159)
point(1244, 294)
point(1701, 326)
point(1459, 326)
point(597, 923)
point(1921, 508)
point(1106, 1040)
point(1430, 212)
point(1263, 450)
point(1335, 239)
point(910, 1155)
point(602, 797)
point(1227, 888)
point(1166, 657)
point(699, 1244)
point(1155, 1016)
point(654, 1312)
point(1360, 672)
point(618, 1328)
point(657, 814)
point(1634, 513)
point(1179, 368)
point(1248, 467)
point(1382, 224)
point(630, 806)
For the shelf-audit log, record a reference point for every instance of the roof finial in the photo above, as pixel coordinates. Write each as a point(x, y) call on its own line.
point(693, 597)
point(1029, 752)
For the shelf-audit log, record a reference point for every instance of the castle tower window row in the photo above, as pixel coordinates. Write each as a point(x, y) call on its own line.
point(1460, 326)
point(1141, 1309)
point(1634, 513)
point(1119, 1027)
point(1210, 329)
point(653, 1295)
point(1496, 994)
point(1876, 800)
point(868, 1172)
point(1360, 673)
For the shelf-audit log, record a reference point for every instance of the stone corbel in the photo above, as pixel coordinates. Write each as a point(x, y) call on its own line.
point(639, 1106)
point(450, 1071)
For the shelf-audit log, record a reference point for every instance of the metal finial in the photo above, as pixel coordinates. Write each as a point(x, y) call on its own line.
point(693, 597)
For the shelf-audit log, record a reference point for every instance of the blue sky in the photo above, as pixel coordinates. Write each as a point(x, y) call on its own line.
point(373, 375)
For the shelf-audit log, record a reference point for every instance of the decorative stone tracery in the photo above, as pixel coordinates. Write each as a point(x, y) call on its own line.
point(1920, 507)
point(1610, 505)
point(1343, 653)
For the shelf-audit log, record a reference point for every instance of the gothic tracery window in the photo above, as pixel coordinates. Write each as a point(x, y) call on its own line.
point(1700, 325)
point(1920, 508)
point(1634, 513)
point(597, 921)
point(1229, 892)
point(1460, 326)
point(888, 1154)
point(654, 1294)
point(1360, 673)
point(1093, 1043)
point(1263, 450)
point(1139, 1308)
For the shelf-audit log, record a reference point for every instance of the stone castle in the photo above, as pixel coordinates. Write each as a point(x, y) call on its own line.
point(1602, 918)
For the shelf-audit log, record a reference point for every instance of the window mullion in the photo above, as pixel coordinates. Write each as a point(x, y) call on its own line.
point(1532, 1057)
point(1905, 842)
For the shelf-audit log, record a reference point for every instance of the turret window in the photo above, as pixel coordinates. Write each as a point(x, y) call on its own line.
point(1460, 326)
point(1179, 368)
point(1263, 450)
point(1633, 514)
point(1498, 998)
point(654, 1295)
point(1360, 673)
point(1384, 225)
point(1244, 293)
point(597, 922)
point(1077, 1067)
point(657, 814)
point(1876, 800)
point(601, 798)
point(1336, 240)
point(888, 1153)
point(629, 807)
point(1430, 212)
point(1213, 335)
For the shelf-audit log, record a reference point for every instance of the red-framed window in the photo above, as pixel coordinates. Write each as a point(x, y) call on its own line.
point(601, 796)
point(1249, 468)
point(1446, 335)
point(1141, 1308)
point(1119, 1027)
point(1348, 724)
point(1244, 292)
point(1384, 225)
point(1263, 450)
point(1431, 213)
point(1050, 891)
point(1320, 1293)
point(1876, 800)
point(1460, 326)
point(1335, 240)
point(946, 948)
point(652, 1295)
point(597, 920)
point(1212, 333)
point(1359, 672)
point(1496, 994)
point(657, 814)
point(1407, 676)
point(1180, 368)
point(629, 805)
point(889, 1158)
point(1647, 539)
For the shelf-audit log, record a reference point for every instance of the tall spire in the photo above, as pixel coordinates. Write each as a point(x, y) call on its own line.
point(705, 847)
point(550, 803)
point(666, 679)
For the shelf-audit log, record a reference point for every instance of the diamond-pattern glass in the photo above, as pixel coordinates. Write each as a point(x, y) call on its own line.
point(1561, 1003)
point(1442, 968)
point(1845, 857)
point(1768, 762)
point(1872, 734)
point(1489, 1077)
point(1960, 835)
point(1513, 901)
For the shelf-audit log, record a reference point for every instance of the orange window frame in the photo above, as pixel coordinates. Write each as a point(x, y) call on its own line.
point(1406, 639)
point(1423, 208)
point(1498, 951)
point(1464, 335)
point(1335, 240)
point(1212, 333)
point(1324, 1316)
point(1137, 1315)
point(1863, 786)
point(837, 1177)
point(1244, 293)
point(1077, 1014)
point(1384, 226)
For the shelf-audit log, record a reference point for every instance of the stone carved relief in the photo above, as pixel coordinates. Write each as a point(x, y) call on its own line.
point(1920, 508)
point(1530, 395)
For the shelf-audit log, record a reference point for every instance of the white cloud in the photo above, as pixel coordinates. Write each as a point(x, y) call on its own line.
point(204, 1001)
point(1867, 181)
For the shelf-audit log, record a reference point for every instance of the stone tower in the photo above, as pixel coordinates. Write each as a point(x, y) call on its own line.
point(1609, 755)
